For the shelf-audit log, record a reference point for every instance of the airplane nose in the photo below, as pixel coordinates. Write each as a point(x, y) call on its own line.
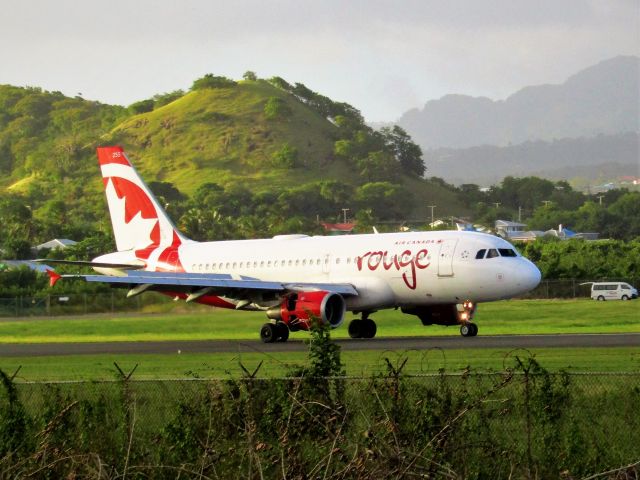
point(530, 276)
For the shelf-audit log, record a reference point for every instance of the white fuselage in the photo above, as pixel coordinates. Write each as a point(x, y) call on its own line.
point(388, 270)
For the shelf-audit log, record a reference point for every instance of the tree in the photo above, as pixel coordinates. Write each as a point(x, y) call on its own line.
point(166, 98)
point(249, 75)
point(143, 106)
point(212, 81)
point(378, 167)
point(386, 200)
point(407, 153)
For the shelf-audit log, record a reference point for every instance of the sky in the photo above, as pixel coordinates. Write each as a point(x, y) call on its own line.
point(382, 57)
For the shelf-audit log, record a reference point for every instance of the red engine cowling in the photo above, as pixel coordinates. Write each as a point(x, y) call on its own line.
point(297, 309)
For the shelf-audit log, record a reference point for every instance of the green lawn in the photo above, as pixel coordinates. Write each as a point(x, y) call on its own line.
point(507, 317)
point(226, 365)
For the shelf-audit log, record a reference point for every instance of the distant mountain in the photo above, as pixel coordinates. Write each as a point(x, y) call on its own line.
point(603, 157)
point(602, 99)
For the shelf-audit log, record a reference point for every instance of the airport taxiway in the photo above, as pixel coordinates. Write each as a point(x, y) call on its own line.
point(296, 345)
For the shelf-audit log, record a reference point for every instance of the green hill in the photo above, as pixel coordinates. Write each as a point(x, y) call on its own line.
point(290, 152)
point(224, 135)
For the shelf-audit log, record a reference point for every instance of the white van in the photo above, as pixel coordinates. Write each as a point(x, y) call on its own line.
point(612, 291)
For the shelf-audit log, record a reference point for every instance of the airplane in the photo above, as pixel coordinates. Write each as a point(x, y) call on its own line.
point(438, 276)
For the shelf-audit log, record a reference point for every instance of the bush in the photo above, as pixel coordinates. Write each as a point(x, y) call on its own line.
point(212, 81)
point(275, 107)
point(142, 106)
point(286, 157)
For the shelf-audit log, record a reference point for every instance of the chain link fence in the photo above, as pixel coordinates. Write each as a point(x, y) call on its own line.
point(523, 423)
point(117, 301)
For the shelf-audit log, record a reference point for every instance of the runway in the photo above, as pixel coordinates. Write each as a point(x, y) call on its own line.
point(382, 343)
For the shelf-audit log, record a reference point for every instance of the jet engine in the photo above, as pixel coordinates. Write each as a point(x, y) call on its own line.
point(297, 309)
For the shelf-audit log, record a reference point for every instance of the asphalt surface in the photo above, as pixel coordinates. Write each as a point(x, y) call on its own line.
point(297, 345)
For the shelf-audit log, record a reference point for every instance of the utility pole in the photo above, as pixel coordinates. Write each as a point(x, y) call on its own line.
point(432, 207)
point(600, 198)
point(546, 202)
point(344, 214)
point(519, 214)
point(497, 204)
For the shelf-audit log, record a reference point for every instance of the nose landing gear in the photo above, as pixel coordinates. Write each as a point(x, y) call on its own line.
point(467, 327)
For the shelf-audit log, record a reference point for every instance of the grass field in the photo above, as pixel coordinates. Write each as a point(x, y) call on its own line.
point(227, 365)
point(507, 317)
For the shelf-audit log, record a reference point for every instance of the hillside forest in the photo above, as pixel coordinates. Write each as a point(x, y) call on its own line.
point(248, 159)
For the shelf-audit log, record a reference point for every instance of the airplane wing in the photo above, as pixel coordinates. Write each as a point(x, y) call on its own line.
point(173, 281)
point(82, 263)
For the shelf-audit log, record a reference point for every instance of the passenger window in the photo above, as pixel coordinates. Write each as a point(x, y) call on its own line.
point(318, 262)
point(507, 252)
point(262, 264)
point(337, 261)
point(304, 262)
point(492, 253)
point(481, 253)
point(626, 287)
point(297, 262)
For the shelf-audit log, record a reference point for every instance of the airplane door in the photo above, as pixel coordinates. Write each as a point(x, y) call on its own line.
point(326, 263)
point(445, 258)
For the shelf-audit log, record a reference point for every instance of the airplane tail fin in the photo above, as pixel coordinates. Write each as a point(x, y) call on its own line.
point(138, 219)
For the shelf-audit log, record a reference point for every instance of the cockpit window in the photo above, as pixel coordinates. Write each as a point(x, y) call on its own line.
point(492, 253)
point(481, 253)
point(507, 252)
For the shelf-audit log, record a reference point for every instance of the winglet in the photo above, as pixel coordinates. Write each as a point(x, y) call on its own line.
point(53, 277)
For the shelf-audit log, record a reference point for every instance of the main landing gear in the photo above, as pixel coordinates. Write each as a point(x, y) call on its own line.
point(274, 332)
point(362, 328)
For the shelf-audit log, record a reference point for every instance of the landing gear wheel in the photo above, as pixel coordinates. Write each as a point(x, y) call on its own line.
point(474, 329)
point(365, 328)
point(282, 330)
point(369, 328)
point(468, 329)
point(355, 328)
point(268, 333)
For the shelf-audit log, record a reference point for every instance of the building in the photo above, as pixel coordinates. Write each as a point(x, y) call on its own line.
point(339, 228)
point(55, 244)
point(516, 232)
point(507, 229)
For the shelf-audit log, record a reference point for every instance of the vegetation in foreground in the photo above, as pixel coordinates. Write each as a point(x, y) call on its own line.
point(523, 422)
